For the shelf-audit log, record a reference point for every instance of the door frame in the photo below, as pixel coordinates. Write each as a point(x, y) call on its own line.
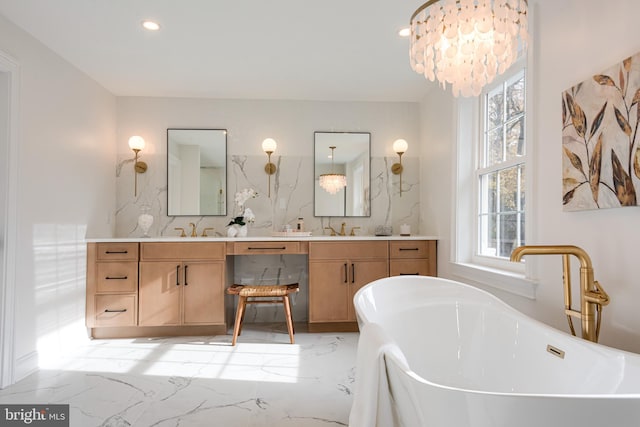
point(8, 277)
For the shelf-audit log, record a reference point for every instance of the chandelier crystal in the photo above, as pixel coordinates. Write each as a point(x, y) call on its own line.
point(467, 43)
point(333, 182)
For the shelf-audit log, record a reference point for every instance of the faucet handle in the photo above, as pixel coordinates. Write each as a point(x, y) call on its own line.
point(333, 232)
point(353, 229)
point(182, 233)
point(204, 232)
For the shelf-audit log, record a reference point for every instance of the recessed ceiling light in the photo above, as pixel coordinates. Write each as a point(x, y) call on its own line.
point(404, 32)
point(151, 25)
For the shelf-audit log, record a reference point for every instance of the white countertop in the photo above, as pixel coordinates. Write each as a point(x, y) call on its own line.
point(255, 238)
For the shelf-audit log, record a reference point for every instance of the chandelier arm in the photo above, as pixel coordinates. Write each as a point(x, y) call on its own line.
point(423, 7)
point(432, 2)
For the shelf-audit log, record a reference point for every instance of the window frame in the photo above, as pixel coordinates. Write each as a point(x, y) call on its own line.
point(466, 264)
point(479, 153)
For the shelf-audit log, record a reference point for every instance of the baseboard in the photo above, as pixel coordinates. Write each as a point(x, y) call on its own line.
point(333, 327)
point(25, 366)
point(157, 331)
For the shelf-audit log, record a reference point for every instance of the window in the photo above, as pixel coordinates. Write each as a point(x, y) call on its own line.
point(500, 171)
point(491, 167)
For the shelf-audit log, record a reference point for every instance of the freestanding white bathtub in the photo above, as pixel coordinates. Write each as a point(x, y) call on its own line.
point(456, 356)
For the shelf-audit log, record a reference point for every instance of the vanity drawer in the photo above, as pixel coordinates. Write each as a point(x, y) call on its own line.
point(114, 251)
point(410, 249)
point(116, 277)
point(264, 248)
point(409, 267)
point(115, 310)
point(159, 251)
point(348, 250)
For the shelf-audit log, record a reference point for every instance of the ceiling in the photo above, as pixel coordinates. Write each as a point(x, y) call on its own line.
point(337, 50)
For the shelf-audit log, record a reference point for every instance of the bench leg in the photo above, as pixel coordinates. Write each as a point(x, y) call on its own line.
point(287, 313)
point(239, 316)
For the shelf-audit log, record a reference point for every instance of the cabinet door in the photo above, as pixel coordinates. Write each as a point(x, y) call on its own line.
point(362, 273)
point(203, 293)
point(159, 299)
point(329, 291)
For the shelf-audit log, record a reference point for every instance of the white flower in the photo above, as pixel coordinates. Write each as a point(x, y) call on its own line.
point(244, 195)
point(248, 215)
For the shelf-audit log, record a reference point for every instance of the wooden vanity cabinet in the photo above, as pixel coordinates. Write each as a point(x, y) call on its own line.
point(112, 284)
point(412, 257)
point(181, 283)
point(336, 271)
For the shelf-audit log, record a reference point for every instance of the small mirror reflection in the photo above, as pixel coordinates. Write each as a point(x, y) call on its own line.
point(342, 157)
point(196, 172)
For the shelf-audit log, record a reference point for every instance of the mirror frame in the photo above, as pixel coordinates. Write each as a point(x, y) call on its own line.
point(315, 174)
point(226, 172)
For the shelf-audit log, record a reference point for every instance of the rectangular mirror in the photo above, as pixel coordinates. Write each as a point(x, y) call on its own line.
point(342, 174)
point(196, 172)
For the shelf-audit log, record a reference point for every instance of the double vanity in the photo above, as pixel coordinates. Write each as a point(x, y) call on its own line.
point(176, 286)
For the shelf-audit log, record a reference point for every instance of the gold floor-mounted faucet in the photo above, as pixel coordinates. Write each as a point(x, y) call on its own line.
point(592, 296)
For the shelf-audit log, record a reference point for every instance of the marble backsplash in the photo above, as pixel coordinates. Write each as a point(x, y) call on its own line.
point(291, 197)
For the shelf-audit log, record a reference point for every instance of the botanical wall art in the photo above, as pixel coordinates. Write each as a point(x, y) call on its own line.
point(601, 153)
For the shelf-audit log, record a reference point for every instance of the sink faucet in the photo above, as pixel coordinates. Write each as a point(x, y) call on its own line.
point(333, 231)
point(592, 296)
point(342, 230)
point(193, 230)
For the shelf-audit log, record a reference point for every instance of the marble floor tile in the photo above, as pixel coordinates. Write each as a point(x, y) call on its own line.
point(202, 381)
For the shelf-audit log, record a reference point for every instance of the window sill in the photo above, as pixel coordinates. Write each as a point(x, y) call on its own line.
point(507, 281)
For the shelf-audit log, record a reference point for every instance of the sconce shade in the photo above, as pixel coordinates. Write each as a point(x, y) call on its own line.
point(136, 143)
point(269, 145)
point(400, 146)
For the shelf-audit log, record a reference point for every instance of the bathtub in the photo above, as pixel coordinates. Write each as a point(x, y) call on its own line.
point(456, 356)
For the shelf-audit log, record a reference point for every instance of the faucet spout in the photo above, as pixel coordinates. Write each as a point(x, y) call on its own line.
point(583, 257)
point(592, 295)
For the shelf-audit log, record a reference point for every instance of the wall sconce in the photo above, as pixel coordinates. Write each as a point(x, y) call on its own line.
point(269, 146)
point(400, 147)
point(136, 143)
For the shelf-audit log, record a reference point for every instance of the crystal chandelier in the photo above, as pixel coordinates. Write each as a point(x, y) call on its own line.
point(333, 182)
point(466, 43)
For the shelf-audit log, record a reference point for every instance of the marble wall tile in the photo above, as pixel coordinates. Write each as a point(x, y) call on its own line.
point(291, 197)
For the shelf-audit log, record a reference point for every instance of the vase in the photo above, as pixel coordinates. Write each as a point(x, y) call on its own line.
point(232, 231)
point(145, 220)
point(242, 231)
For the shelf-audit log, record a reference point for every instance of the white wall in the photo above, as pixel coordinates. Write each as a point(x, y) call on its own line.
point(66, 184)
point(573, 39)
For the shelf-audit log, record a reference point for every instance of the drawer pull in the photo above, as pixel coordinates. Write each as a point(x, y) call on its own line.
point(345, 273)
point(115, 311)
point(116, 278)
point(116, 252)
point(409, 274)
point(409, 249)
point(282, 248)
